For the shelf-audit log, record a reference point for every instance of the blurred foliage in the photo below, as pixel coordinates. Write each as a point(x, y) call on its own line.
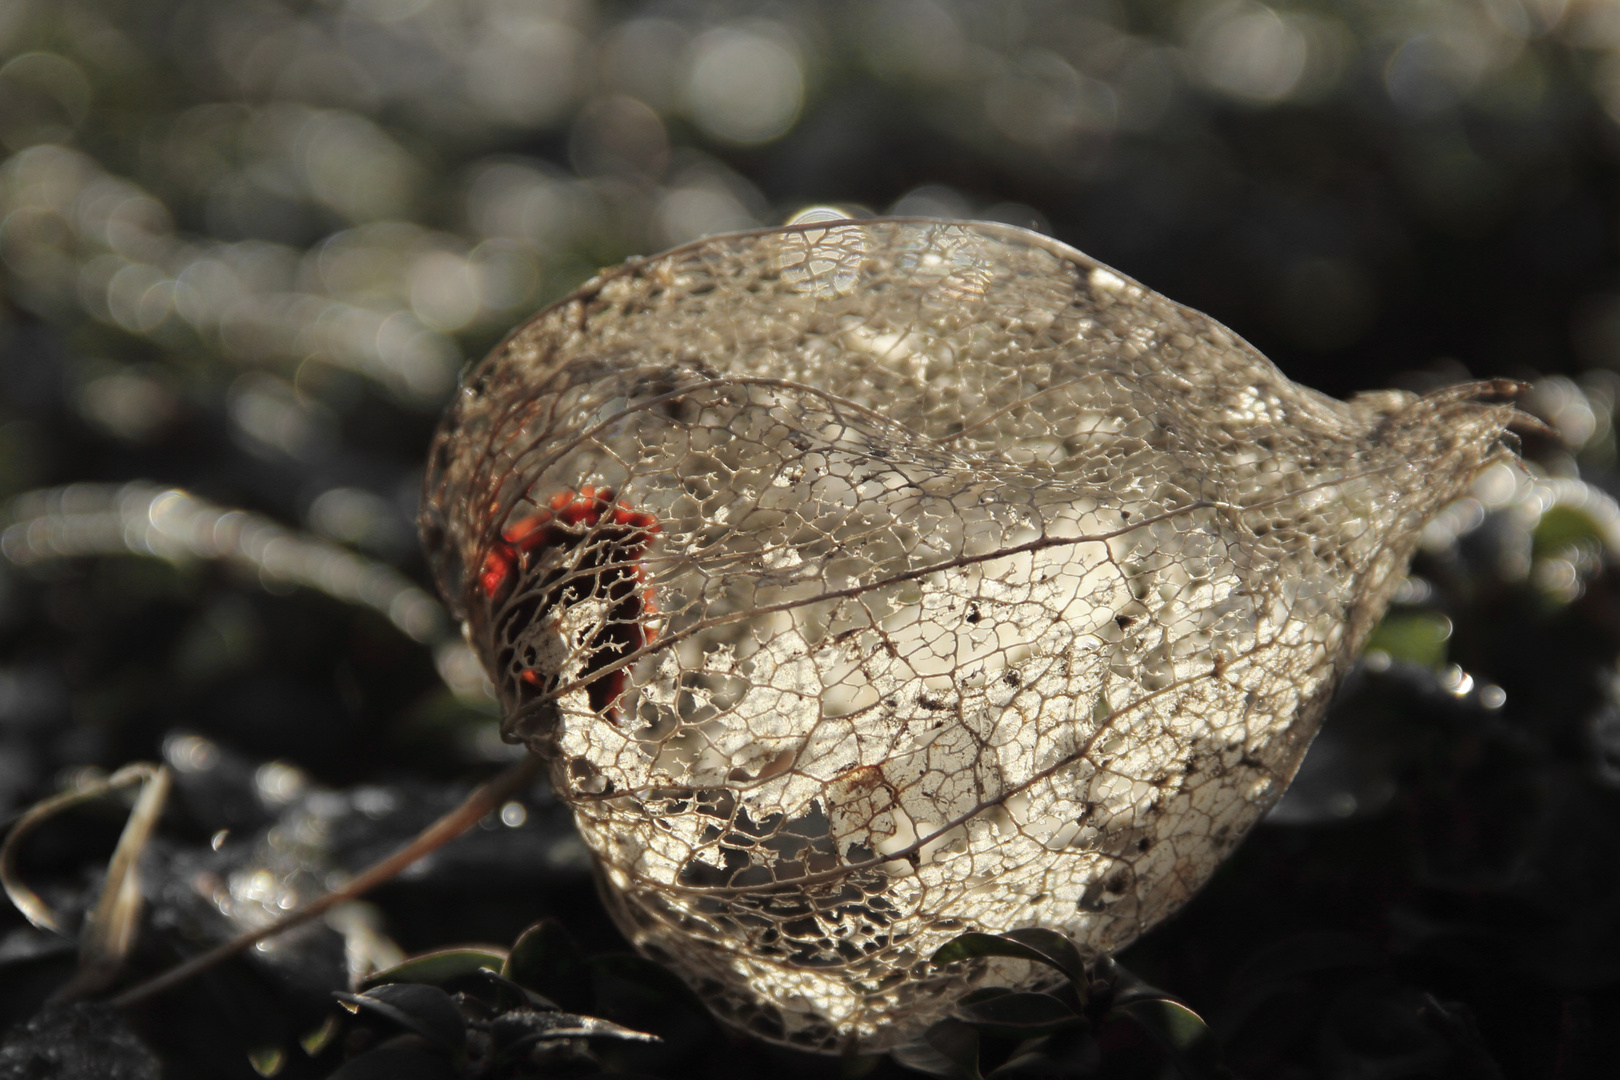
point(1091, 1024)
point(245, 246)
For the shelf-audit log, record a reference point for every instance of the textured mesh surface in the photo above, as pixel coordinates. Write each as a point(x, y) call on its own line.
point(866, 583)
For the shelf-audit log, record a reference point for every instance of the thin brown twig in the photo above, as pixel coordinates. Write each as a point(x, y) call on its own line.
point(484, 800)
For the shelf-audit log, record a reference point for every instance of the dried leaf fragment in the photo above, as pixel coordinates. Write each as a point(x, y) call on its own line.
point(917, 577)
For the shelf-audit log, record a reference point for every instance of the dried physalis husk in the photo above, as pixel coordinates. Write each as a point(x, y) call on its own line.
point(870, 582)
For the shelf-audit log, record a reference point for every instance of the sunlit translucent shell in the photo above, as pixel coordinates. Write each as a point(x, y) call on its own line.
point(916, 577)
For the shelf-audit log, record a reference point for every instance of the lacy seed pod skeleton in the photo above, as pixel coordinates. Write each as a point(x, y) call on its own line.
point(869, 582)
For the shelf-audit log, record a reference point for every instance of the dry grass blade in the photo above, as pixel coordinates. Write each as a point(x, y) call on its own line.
point(108, 933)
point(109, 930)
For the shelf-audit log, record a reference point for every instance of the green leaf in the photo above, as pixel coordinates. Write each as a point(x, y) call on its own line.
point(267, 1061)
point(1033, 945)
point(948, 1050)
point(440, 967)
point(1189, 1042)
point(1125, 984)
point(511, 995)
point(1417, 637)
point(316, 1041)
point(1016, 1015)
point(1059, 950)
point(425, 1010)
point(518, 1029)
point(653, 982)
point(1564, 527)
point(546, 960)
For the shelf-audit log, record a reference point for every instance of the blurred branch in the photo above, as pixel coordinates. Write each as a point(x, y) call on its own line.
point(140, 518)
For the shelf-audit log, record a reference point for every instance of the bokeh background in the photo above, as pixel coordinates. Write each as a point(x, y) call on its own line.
point(246, 246)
